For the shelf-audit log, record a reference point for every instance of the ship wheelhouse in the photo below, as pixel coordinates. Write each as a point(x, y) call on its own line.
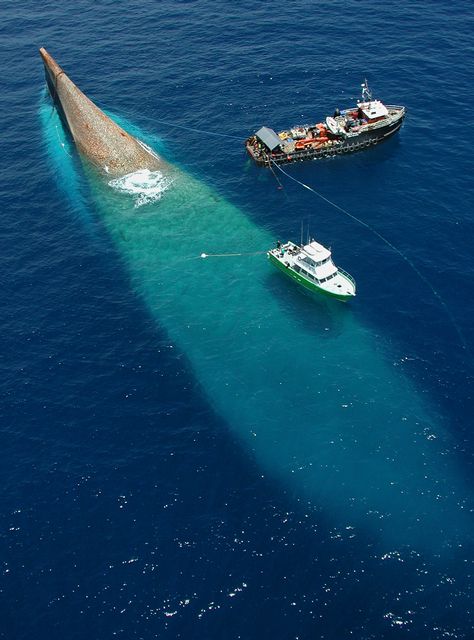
point(316, 262)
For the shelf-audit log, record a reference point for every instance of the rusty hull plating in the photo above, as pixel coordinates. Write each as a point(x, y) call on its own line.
point(106, 145)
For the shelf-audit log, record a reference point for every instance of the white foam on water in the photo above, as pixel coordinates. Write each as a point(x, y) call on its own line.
point(144, 186)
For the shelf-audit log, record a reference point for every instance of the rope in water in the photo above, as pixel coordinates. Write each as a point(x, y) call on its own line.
point(280, 186)
point(62, 144)
point(203, 131)
point(228, 255)
point(388, 243)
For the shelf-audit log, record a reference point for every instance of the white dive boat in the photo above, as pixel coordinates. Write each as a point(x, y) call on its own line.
point(311, 266)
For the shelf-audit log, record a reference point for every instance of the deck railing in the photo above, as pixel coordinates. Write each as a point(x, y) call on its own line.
point(347, 275)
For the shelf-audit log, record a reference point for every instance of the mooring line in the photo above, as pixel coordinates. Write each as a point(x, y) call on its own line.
point(389, 244)
point(186, 128)
point(280, 186)
point(63, 144)
point(229, 255)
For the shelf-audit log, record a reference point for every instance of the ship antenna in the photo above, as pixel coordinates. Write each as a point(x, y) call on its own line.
point(301, 232)
point(366, 92)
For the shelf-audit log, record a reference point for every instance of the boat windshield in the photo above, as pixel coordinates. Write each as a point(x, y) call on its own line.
point(314, 263)
point(330, 277)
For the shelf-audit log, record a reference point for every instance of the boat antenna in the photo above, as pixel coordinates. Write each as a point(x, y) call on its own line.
point(366, 92)
point(301, 232)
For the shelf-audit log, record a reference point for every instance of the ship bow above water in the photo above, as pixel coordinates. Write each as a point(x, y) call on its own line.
point(109, 148)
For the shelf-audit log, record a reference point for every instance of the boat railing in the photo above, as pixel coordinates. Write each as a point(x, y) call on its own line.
point(395, 111)
point(295, 155)
point(347, 275)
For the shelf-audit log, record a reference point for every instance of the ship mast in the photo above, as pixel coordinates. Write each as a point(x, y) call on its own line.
point(366, 92)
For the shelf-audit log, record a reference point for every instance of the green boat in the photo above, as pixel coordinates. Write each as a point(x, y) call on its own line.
point(312, 267)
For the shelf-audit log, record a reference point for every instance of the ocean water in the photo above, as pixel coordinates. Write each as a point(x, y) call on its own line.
point(196, 448)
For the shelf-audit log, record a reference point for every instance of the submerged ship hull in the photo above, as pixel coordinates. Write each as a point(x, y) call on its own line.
point(99, 140)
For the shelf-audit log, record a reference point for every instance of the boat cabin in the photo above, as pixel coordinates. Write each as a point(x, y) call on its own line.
point(373, 111)
point(316, 260)
point(316, 254)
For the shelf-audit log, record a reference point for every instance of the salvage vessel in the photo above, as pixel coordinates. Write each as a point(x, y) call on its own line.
point(348, 130)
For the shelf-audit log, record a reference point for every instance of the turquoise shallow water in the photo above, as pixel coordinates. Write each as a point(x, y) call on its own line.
point(195, 447)
point(322, 410)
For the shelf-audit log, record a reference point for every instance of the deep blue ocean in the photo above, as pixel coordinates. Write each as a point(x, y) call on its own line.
point(197, 448)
